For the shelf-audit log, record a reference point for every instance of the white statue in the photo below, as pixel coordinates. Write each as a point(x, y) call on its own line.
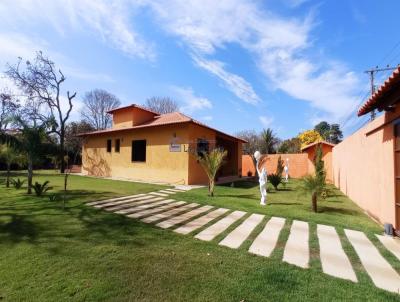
point(286, 169)
point(262, 178)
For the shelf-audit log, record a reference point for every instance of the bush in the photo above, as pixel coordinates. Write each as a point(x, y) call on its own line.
point(18, 183)
point(249, 174)
point(41, 188)
point(275, 180)
point(53, 197)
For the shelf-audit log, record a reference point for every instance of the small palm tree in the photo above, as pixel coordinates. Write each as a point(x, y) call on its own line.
point(211, 163)
point(269, 140)
point(10, 156)
point(314, 186)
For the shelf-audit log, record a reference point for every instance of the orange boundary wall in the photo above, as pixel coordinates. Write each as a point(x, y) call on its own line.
point(299, 164)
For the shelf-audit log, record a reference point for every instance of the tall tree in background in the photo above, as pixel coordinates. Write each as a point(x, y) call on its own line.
point(73, 143)
point(253, 144)
point(269, 141)
point(96, 105)
point(335, 135)
point(292, 145)
point(8, 106)
point(42, 81)
point(330, 133)
point(162, 105)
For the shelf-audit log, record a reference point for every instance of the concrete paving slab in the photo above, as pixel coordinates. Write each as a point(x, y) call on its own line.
point(144, 206)
point(392, 244)
point(184, 217)
point(175, 190)
point(220, 226)
point(129, 200)
point(92, 203)
point(238, 235)
point(334, 260)
point(380, 271)
point(165, 215)
point(156, 210)
point(266, 241)
point(167, 192)
point(199, 222)
point(159, 194)
point(132, 204)
point(297, 249)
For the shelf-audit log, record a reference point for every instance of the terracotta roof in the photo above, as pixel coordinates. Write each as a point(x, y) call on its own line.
point(161, 120)
point(317, 143)
point(133, 106)
point(379, 95)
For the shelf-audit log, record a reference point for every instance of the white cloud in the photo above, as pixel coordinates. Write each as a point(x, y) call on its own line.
point(279, 46)
point(266, 121)
point(108, 20)
point(207, 118)
point(192, 103)
point(295, 3)
point(239, 86)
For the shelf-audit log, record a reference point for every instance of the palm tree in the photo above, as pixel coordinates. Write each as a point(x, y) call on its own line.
point(315, 186)
point(11, 156)
point(270, 140)
point(211, 163)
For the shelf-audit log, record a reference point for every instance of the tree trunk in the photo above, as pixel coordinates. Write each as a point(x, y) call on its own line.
point(8, 175)
point(211, 188)
point(314, 202)
point(30, 174)
point(62, 162)
point(65, 189)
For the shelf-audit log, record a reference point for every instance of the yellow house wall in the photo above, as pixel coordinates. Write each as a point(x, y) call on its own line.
point(161, 165)
point(129, 117)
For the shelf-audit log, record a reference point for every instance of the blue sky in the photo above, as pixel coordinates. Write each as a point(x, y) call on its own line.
point(233, 64)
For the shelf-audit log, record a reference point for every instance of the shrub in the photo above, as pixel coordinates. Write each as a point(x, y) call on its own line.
point(53, 197)
point(279, 167)
point(275, 180)
point(18, 183)
point(41, 188)
point(249, 173)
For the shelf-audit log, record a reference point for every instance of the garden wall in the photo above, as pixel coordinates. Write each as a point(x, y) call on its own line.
point(299, 164)
point(363, 168)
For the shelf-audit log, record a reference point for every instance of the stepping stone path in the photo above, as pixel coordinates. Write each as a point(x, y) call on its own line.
point(380, 271)
point(297, 251)
point(199, 222)
point(266, 241)
point(238, 235)
point(333, 258)
point(213, 231)
point(190, 218)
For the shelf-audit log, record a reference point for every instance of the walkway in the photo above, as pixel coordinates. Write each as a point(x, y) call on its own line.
point(209, 223)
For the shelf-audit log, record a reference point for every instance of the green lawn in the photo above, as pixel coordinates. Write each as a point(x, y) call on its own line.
point(84, 254)
point(288, 202)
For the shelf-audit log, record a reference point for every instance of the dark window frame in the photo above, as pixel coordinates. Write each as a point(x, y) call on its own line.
point(139, 155)
point(117, 145)
point(109, 145)
point(203, 145)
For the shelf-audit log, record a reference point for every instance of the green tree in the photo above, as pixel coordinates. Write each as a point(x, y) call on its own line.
point(335, 134)
point(315, 184)
point(211, 163)
point(269, 141)
point(10, 156)
point(323, 128)
point(291, 145)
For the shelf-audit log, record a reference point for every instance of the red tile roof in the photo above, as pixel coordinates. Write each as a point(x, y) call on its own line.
point(378, 96)
point(161, 120)
point(133, 106)
point(317, 143)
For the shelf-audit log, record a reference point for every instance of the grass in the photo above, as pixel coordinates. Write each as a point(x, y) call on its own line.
point(337, 210)
point(84, 254)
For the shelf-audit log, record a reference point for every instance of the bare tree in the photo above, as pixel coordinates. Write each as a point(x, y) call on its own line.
point(254, 143)
point(96, 105)
point(41, 80)
point(162, 105)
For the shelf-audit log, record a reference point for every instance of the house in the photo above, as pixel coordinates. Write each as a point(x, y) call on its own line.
point(326, 147)
point(146, 146)
point(366, 165)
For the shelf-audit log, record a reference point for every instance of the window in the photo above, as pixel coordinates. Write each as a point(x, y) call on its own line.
point(117, 145)
point(202, 146)
point(139, 150)
point(109, 145)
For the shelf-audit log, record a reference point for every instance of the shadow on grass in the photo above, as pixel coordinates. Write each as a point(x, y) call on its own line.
point(325, 209)
point(241, 184)
point(19, 229)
